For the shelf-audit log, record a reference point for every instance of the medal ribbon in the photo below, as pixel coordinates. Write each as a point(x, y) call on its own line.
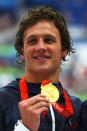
point(66, 111)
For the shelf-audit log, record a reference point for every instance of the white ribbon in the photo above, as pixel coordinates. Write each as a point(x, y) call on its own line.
point(53, 118)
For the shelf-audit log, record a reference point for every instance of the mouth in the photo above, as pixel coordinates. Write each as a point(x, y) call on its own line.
point(41, 57)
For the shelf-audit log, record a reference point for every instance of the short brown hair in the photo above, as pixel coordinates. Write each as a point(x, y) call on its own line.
point(44, 13)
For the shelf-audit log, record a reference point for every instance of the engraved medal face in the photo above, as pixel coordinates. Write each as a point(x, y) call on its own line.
point(51, 92)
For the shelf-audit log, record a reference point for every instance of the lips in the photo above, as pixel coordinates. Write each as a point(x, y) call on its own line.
point(41, 57)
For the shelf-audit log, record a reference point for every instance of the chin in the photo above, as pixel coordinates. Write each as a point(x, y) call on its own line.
point(42, 70)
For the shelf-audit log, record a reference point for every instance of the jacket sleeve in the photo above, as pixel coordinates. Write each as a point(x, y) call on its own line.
point(2, 120)
point(82, 121)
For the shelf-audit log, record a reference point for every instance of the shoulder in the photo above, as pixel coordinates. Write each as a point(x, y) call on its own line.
point(10, 93)
point(75, 100)
point(83, 111)
point(9, 98)
point(76, 103)
point(82, 121)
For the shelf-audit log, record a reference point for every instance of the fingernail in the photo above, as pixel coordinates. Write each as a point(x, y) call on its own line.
point(44, 94)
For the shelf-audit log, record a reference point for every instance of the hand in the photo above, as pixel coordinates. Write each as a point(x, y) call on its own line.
point(30, 110)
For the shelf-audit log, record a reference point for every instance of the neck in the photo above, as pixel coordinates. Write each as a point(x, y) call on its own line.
point(39, 77)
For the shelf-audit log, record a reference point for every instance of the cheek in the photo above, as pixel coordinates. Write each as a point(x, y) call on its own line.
point(29, 53)
point(57, 56)
point(57, 52)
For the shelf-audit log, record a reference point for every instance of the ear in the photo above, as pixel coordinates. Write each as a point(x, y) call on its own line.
point(22, 54)
point(63, 53)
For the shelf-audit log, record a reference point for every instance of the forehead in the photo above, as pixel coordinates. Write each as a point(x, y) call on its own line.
point(42, 28)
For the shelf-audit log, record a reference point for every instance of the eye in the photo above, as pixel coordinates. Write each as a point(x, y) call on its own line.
point(49, 40)
point(32, 41)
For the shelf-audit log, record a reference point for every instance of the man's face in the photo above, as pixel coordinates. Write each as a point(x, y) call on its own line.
point(42, 48)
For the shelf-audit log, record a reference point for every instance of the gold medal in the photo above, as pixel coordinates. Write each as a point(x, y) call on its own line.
point(50, 91)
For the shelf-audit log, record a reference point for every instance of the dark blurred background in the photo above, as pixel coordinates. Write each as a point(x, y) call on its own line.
point(74, 71)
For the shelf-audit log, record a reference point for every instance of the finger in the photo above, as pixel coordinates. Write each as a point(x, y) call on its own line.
point(40, 110)
point(33, 100)
point(37, 98)
point(39, 105)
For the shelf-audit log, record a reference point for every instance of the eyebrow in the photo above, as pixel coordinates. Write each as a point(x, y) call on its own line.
point(30, 37)
point(51, 36)
point(44, 36)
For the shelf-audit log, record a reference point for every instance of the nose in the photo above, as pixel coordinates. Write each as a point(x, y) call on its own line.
point(41, 47)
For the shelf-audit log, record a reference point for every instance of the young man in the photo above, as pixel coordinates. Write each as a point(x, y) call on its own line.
point(42, 42)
